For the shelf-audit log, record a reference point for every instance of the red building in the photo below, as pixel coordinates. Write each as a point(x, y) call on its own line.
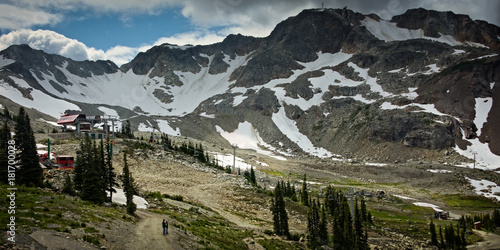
point(80, 121)
point(65, 162)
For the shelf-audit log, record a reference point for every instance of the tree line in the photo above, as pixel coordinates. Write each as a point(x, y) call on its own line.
point(451, 237)
point(332, 215)
point(94, 175)
point(19, 151)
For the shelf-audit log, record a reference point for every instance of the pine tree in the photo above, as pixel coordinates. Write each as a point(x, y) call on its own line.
point(30, 172)
point(360, 240)
point(4, 148)
point(432, 229)
point(323, 228)
point(82, 162)
point(280, 216)
point(305, 196)
point(441, 242)
point(253, 180)
point(313, 229)
point(369, 217)
point(110, 173)
point(94, 186)
point(126, 129)
point(364, 215)
point(128, 186)
point(68, 186)
point(6, 113)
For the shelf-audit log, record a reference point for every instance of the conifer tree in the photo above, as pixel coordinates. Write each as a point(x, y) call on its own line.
point(128, 130)
point(82, 162)
point(432, 229)
point(313, 229)
point(360, 240)
point(280, 216)
point(357, 221)
point(6, 113)
point(30, 172)
point(253, 180)
point(4, 147)
point(110, 173)
point(323, 228)
point(304, 195)
point(128, 186)
point(94, 186)
point(364, 215)
point(68, 186)
point(441, 242)
point(167, 143)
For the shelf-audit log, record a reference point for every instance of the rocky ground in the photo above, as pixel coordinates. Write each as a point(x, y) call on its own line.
point(232, 198)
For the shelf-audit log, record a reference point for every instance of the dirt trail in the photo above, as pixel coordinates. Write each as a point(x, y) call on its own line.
point(148, 232)
point(491, 241)
point(213, 201)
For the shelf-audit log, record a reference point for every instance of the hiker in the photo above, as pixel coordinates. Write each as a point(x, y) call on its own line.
point(163, 224)
point(166, 226)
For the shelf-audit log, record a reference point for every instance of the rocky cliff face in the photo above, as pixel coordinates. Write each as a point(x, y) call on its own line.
point(323, 82)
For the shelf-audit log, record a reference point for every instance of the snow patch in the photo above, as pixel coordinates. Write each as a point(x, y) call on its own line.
point(439, 171)
point(5, 61)
point(424, 204)
point(165, 127)
point(395, 70)
point(238, 100)
point(389, 31)
point(485, 188)
point(204, 114)
point(247, 137)
point(145, 128)
point(485, 159)
point(404, 197)
point(119, 198)
point(483, 107)
point(289, 129)
point(41, 101)
point(376, 164)
point(227, 161)
point(109, 112)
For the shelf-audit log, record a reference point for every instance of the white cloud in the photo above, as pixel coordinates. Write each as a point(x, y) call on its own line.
point(202, 37)
point(51, 42)
point(55, 43)
point(14, 17)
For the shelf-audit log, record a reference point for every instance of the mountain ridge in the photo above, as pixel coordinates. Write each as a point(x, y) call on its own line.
point(325, 82)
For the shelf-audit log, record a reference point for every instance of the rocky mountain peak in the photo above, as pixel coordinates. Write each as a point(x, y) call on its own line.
point(462, 27)
point(323, 82)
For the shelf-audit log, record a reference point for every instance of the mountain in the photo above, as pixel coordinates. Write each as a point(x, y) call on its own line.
point(330, 83)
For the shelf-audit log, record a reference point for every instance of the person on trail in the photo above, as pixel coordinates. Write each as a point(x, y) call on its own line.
point(166, 226)
point(163, 224)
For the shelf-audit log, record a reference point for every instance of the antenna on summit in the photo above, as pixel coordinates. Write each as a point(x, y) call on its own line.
point(322, 6)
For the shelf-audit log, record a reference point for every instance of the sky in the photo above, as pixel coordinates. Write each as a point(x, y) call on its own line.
point(117, 30)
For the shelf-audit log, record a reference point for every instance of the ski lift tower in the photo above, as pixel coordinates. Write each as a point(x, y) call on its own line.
point(234, 158)
point(350, 194)
point(474, 166)
point(156, 121)
point(112, 119)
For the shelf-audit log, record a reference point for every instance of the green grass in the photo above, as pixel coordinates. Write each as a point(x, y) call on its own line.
point(275, 244)
point(469, 202)
point(45, 210)
point(274, 172)
point(214, 232)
